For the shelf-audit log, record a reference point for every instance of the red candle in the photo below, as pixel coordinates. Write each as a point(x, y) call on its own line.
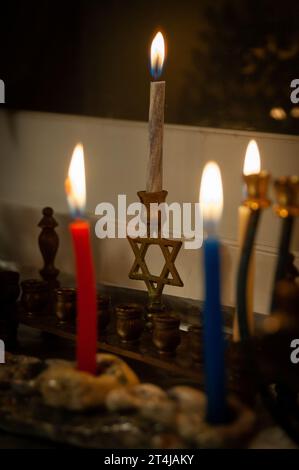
point(85, 274)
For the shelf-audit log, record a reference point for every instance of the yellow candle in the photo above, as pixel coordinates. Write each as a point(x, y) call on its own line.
point(252, 165)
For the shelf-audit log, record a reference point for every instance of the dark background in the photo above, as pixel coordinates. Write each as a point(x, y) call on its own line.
point(229, 62)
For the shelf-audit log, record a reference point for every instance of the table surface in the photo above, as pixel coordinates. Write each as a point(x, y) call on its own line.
point(32, 342)
point(46, 346)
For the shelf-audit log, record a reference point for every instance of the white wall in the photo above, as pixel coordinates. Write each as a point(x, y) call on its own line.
point(35, 150)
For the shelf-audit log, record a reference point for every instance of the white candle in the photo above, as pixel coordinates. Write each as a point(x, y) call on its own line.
point(252, 165)
point(156, 118)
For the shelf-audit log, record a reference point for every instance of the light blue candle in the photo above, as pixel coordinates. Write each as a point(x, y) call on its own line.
point(211, 199)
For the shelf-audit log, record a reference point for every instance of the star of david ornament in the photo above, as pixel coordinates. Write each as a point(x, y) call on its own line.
point(140, 271)
point(169, 249)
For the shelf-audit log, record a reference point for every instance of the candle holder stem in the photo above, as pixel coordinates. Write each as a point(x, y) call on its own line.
point(155, 304)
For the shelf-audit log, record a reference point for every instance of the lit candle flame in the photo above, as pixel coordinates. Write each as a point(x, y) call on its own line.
point(211, 195)
point(252, 162)
point(157, 55)
point(75, 186)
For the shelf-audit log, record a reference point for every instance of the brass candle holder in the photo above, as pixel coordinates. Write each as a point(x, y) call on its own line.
point(129, 322)
point(287, 208)
point(257, 187)
point(169, 248)
point(287, 196)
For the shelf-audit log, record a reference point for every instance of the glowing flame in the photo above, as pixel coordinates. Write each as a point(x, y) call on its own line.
point(278, 114)
point(295, 112)
point(157, 55)
point(211, 195)
point(252, 162)
point(75, 183)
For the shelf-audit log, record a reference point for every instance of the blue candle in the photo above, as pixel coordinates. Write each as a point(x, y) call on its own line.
point(211, 198)
point(213, 335)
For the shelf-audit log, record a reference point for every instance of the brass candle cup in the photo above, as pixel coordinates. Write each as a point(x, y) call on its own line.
point(35, 296)
point(65, 304)
point(66, 307)
point(287, 196)
point(257, 189)
point(166, 333)
point(147, 199)
point(103, 310)
point(129, 322)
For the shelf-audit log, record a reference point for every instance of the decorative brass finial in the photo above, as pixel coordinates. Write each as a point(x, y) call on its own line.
point(287, 196)
point(257, 188)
